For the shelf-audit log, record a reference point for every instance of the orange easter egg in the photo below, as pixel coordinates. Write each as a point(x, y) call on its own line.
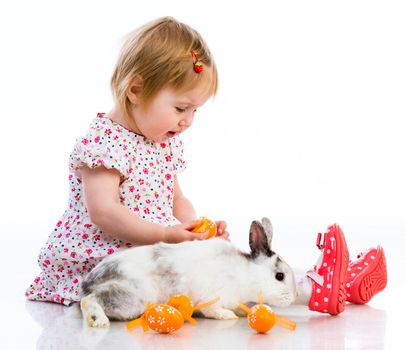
point(163, 318)
point(183, 304)
point(261, 318)
point(206, 225)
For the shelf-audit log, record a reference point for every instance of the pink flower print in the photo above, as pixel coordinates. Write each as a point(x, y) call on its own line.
point(59, 224)
point(168, 159)
point(108, 132)
point(130, 170)
point(89, 251)
point(158, 208)
point(148, 201)
point(73, 255)
point(88, 225)
point(131, 188)
point(36, 280)
point(124, 147)
point(96, 237)
point(75, 280)
point(163, 145)
point(59, 235)
point(137, 197)
point(110, 251)
point(97, 139)
point(70, 177)
point(65, 250)
point(145, 171)
point(151, 164)
point(141, 181)
point(156, 195)
point(85, 141)
point(146, 211)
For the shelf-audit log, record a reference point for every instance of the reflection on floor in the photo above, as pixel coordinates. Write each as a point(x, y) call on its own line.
point(359, 327)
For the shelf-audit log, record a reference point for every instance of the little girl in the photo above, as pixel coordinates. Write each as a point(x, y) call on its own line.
point(123, 181)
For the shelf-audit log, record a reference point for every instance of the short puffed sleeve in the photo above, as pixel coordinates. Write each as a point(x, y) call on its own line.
point(104, 145)
point(177, 152)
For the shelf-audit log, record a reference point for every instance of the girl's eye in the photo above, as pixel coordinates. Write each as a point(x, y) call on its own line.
point(180, 110)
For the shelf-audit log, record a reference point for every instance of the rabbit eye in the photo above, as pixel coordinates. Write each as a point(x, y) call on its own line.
point(280, 276)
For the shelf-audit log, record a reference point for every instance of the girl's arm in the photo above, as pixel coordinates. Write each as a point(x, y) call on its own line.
point(106, 211)
point(183, 210)
point(101, 195)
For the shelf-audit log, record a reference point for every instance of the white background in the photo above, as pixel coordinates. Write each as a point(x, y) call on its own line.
point(307, 127)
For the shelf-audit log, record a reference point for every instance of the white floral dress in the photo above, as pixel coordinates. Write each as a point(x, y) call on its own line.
point(76, 245)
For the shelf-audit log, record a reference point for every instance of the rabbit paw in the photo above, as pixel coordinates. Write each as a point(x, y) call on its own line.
point(100, 321)
point(219, 314)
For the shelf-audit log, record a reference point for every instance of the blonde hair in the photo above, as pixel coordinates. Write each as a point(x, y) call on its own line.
point(159, 53)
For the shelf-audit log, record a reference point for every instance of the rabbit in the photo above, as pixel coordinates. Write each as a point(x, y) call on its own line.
point(121, 285)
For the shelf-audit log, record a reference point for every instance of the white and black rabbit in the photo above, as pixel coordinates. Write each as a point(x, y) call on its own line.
point(120, 286)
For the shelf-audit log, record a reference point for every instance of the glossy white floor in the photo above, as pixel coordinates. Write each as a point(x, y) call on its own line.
point(30, 325)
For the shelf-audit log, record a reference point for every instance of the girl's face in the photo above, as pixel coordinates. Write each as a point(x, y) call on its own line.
point(169, 113)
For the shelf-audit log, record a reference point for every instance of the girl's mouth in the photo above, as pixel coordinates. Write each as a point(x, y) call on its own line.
point(171, 133)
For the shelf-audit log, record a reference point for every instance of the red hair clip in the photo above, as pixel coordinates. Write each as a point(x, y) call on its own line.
point(198, 66)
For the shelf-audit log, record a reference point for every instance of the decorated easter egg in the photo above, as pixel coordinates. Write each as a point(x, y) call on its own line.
point(206, 225)
point(163, 318)
point(261, 318)
point(183, 304)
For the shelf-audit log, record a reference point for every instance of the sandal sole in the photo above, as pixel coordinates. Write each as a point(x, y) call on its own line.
point(339, 274)
point(367, 283)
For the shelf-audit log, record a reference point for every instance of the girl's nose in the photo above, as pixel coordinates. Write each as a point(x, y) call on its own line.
point(187, 121)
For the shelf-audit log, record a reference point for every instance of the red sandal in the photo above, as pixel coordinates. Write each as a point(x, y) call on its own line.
point(329, 275)
point(366, 276)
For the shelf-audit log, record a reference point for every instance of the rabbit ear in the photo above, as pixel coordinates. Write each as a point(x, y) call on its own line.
point(258, 240)
point(268, 229)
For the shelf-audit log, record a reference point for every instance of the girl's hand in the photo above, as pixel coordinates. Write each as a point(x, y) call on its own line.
point(182, 232)
point(221, 230)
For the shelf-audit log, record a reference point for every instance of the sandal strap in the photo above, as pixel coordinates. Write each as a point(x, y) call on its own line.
point(320, 237)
